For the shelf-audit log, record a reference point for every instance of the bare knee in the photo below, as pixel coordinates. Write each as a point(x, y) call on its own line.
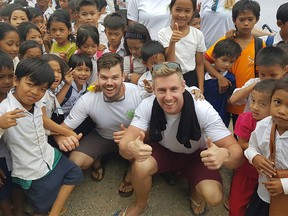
point(211, 191)
point(144, 168)
point(82, 160)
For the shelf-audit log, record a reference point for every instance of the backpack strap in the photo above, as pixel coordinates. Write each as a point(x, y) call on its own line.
point(67, 96)
point(270, 40)
point(258, 44)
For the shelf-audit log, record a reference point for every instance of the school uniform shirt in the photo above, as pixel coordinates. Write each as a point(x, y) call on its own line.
point(259, 144)
point(32, 156)
point(75, 95)
point(102, 36)
point(193, 42)
point(246, 100)
point(120, 50)
point(147, 76)
point(210, 123)
point(5, 153)
point(133, 65)
point(106, 114)
point(49, 100)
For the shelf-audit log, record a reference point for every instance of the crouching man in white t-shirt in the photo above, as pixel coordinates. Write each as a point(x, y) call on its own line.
point(178, 126)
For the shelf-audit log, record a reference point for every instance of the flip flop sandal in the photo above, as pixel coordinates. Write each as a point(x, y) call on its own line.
point(125, 184)
point(201, 205)
point(125, 210)
point(94, 174)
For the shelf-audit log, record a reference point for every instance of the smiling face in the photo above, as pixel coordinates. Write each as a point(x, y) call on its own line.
point(27, 93)
point(169, 93)
point(259, 105)
point(57, 73)
point(279, 110)
point(81, 74)
point(111, 82)
point(17, 17)
point(10, 43)
point(182, 12)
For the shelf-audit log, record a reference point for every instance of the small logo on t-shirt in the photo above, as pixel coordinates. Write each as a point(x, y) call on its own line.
point(130, 114)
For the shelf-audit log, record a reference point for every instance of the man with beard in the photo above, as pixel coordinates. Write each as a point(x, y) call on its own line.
point(112, 109)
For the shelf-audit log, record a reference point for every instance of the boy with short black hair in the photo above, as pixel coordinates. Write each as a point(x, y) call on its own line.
point(115, 26)
point(282, 23)
point(225, 53)
point(152, 53)
point(245, 14)
point(88, 12)
point(195, 20)
point(46, 176)
point(272, 63)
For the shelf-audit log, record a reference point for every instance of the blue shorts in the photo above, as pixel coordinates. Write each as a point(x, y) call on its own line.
point(5, 190)
point(44, 191)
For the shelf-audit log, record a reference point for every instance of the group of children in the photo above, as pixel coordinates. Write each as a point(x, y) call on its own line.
point(53, 56)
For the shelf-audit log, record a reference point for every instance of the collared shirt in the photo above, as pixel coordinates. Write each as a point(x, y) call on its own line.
point(51, 103)
point(259, 144)
point(75, 95)
point(32, 156)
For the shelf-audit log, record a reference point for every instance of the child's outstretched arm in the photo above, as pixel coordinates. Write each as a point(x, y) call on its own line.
point(176, 36)
point(200, 70)
point(9, 119)
point(223, 83)
point(240, 95)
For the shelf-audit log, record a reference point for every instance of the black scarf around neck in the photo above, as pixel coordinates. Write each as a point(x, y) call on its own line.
point(188, 128)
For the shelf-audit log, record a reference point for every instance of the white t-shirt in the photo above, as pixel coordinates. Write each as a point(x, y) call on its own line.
point(186, 48)
point(107, 116)
point(259, 143)
point(214, 25)
point(154, 14)
point(209, 120)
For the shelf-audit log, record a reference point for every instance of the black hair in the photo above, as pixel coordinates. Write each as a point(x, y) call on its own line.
point(194, 3)
point(37, 70)
point(6, 61)
point(102, 4)
point(23, 3)
point(150, 49)
point(244, 5)
point(196, 14)
point(136, 31)
point(72, 5)
point(281, 84)
point(115, 21)
point(24, 28)
point(270, 56)
point(282, 12)
point(5, 28)
point(86, 31)
point(284, 46)
point(79, 60)
point(88, 3)
point(6, 11)
point(52, 57)
point(34, 12)
point(62, 16)
point(109, 60)
point(227, 48)
point(26, 45)
point(20, 8)
point(265, 86)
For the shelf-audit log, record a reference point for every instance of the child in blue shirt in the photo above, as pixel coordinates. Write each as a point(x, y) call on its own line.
point(225, 54)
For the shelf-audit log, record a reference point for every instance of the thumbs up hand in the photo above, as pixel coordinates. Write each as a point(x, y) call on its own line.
point(214, 157)
point(177, 34)
point(117, 136)
point(139, 149)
